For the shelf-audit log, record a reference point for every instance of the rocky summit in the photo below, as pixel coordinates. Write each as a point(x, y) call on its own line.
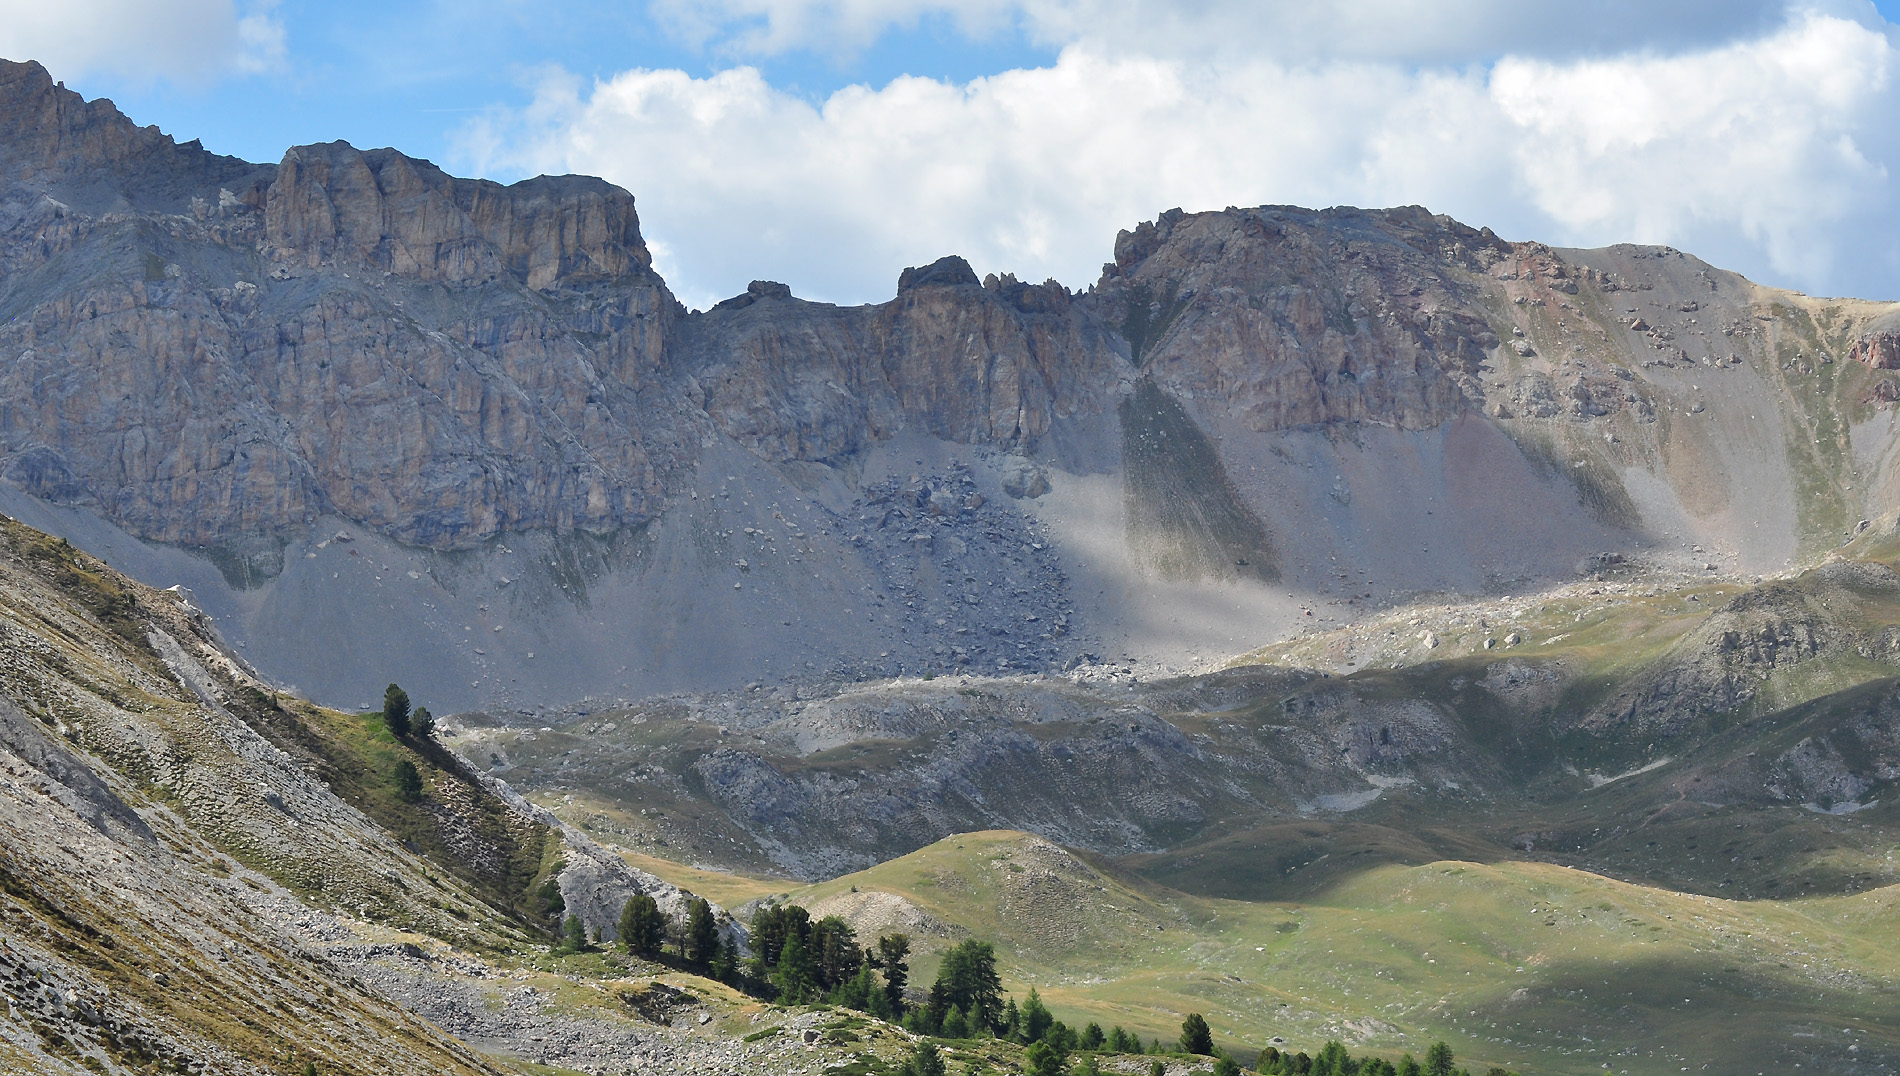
point(1342, 624)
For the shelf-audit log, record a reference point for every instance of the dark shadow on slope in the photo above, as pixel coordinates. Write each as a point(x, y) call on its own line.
point(1185, 522)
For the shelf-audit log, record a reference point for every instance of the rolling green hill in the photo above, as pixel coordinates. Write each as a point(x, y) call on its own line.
point(1536, 967)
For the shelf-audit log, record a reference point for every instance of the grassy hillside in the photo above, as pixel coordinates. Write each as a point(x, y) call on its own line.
point(1533, 966)
point(1645, 821)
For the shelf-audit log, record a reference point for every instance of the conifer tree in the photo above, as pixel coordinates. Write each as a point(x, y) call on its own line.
point(1042, 1059)
point(702, 933)
point(1438, 1060)
point(1408, 1066)
point(1036, 1019)
point(642, 926)
point(1226, 1066)
point(396, 711)
point(573, 935)
point(1196, 1037)
point(925, 1060)
point(793, 976)
point(967, 980)
point(834, 950)
point(408, 781)
point(1333, 1060)
point(891, 951)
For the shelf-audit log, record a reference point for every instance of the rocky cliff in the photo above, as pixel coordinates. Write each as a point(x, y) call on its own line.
point(1252, 416)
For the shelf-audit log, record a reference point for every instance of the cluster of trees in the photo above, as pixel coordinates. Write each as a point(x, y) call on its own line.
point(1334, 1060)
point(646, 930)
point(798, 960)
point(404, 723)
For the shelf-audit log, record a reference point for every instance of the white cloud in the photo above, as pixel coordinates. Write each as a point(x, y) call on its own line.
point(1768, 155)
point(1767, 139)
point(189, 41)
point(1299, 30)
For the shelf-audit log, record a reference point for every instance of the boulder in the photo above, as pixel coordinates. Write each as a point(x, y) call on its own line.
point(1023, 478)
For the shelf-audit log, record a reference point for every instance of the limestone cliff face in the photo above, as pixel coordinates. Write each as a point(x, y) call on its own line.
point(209, 351)
point(1288, 317)
point(390, 213)
point(1001, 364)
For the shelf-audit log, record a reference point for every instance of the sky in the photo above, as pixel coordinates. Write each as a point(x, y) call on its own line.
point(828, 144)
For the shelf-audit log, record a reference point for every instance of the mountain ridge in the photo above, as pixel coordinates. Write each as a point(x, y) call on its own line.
point(212, 369)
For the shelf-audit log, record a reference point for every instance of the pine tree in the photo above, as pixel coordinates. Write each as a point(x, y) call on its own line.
point(396, 711)
point(702, 933)
point(1333, 1060)
point(1092, 1037)
point(864, 993)
point(1159, 1068)
point(955, 1024)
point(921, 1020)
point(925, 1060)
point(1438, 1060)
point(891, 951)
point(1196, 1038)
point(793, 977)
point(1226, 1066)
point(422, 722)
point(834, 948)
point(573, 935)
point(1088, 1067)
point(1121, 1042)
point(967, 980)
point(642, 926)
point(1012, 1022)
point(408, 782)
point(1042, 1059)
point(1036, 1020)
point(1408, 1066)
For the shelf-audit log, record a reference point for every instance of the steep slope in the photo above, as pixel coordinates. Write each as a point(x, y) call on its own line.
point(182, 848)
point(210, 369)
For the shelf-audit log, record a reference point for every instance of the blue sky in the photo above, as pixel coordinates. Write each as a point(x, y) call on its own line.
point(408, 74)
point(828, 143)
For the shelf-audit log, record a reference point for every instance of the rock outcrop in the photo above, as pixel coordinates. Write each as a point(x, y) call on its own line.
point(1880, 351)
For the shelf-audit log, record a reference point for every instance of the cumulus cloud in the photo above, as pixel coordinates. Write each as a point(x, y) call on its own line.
point(1776, 141)
point(189, 41)
point(1768, 154)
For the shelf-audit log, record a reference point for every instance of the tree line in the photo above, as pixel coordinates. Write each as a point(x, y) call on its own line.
point(798, 960)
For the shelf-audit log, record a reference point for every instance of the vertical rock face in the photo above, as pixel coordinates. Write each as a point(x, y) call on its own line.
point(1288, 317)
point(88, 155)
point(206, 350)
point(1348, 402)
point(1002, 364)
point(390, 213)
